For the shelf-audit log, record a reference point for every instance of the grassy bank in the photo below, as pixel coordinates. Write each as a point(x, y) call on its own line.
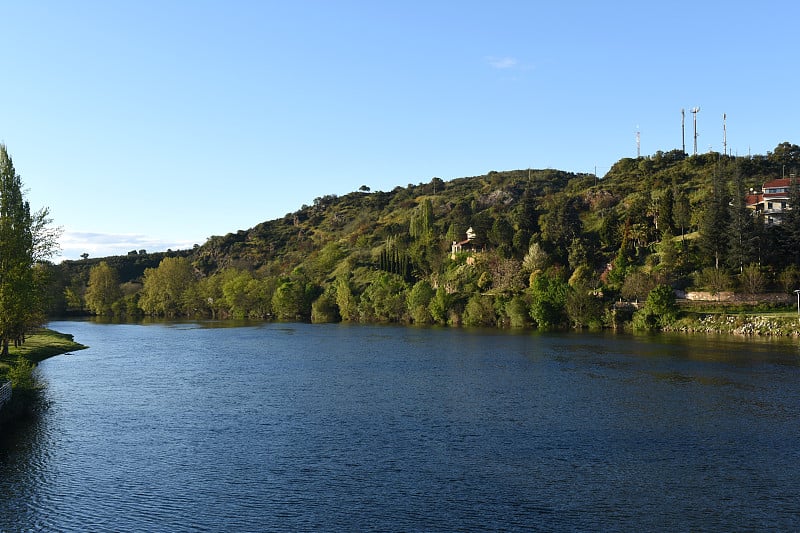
point(43, 343)
point(19, 365)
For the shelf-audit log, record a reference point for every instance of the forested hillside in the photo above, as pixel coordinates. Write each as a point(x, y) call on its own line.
point(550, 249)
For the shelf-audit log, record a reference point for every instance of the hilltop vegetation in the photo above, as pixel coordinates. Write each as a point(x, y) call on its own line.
point(551, 249)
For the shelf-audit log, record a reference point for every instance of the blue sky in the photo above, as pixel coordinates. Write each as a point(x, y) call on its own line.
point(155, 125)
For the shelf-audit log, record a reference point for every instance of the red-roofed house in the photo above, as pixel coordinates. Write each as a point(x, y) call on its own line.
point(772, 202)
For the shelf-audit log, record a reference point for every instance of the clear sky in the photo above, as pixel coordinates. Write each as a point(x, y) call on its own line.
point(157, 124)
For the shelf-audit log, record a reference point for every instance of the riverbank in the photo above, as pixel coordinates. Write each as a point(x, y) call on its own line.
point(741, 324)
point(42, 344)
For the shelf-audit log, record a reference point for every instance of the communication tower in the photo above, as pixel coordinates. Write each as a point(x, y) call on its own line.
point(724, 134)
point(694, 116)
point(638, 144)
point(683, 131)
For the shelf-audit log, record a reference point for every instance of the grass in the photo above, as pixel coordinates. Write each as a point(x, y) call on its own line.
point(40, 345)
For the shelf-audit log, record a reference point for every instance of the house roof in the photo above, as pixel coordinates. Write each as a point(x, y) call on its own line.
point(753, 199)
point(780, 182)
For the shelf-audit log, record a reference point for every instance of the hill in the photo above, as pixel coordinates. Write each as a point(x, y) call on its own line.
point(568, 240)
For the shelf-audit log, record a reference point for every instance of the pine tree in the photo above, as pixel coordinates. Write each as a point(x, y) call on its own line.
point(713, 230)
point(741, 231)
point(791, 223)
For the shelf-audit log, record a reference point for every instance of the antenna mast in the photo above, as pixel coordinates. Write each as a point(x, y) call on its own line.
point(724, 134)
point(683, 131)
point(694, 115)
point(638, 144)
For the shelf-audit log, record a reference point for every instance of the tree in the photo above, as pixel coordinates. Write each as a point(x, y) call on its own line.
point(324, 309)
point(517, 311)
point(741, 236)
point(665, 204)
point(25, 238)
point(348, 306)
point(103, 289)
point(582, 306)
point(752, 280)
point(479, 311)
point(548, 299)
point(791, 223)
point(714, 279)
point(637, 285)
point(164, 287)
point(682, 213)
point(384, 300)
point(659, 310)
point(440, 305)
point(668, 255)
point(561, 222)
point(419, 298)
point(713, 231)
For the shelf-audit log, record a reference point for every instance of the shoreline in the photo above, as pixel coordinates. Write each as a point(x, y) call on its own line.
point(738, 325)
point(42, 344)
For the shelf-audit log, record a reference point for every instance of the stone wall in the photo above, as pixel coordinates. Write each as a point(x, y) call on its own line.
point(731, 297)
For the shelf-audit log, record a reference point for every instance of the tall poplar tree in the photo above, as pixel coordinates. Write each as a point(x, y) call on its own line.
point(24, 239)
point(103, 289)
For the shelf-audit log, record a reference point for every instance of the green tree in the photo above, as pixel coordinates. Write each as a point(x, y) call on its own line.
point(637, 286)
point(789, 279)
point(421, 226)
point(347, 303)
point(164, 287)
point(22, 375)
point(583, 307)
point(103, 289)
point(323, 309)
point(667, 254)
point(715, 280)
point(560, 222)
point(292, 301)
point(791, 224)
point(24, 239)
point(659, 310)
point(548, 300)
point(665, 204)
point(517, 311)
point(741, 236)
point(713, 229)
point(479, 311)
point(682, 213)
point(752, 279)
point(440, 305)
point(235, 292)
point(419, 298)
point(535, 260)
point(384, 300)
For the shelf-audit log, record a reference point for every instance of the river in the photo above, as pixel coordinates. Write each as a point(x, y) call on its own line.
point(298, 427)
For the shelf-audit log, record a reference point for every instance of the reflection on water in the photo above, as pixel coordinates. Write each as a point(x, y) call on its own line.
point(195, 427)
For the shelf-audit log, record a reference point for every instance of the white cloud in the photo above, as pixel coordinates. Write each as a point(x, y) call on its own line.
point(75, 243)
point(503, 62)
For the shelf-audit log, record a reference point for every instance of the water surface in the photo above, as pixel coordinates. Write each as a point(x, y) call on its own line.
point(276, 427)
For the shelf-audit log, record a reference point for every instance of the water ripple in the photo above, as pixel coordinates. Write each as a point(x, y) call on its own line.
point(327, 428)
